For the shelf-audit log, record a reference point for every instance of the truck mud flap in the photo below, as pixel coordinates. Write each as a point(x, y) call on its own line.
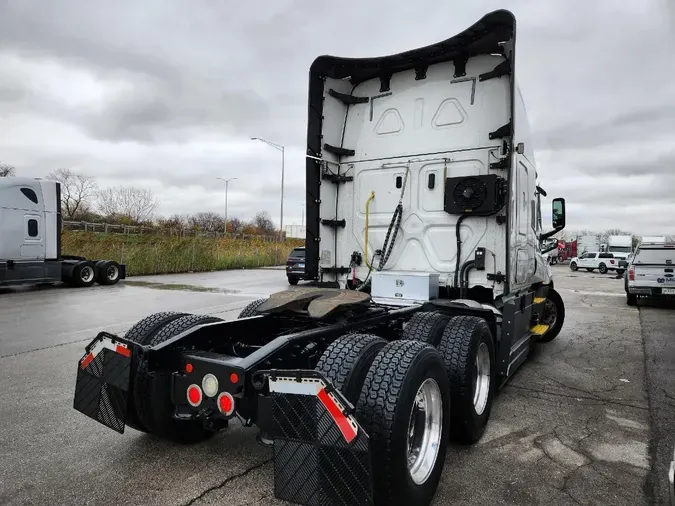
point(321, 453)
point(102, 383)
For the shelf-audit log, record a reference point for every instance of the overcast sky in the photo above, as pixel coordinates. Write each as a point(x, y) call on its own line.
point(164, 94)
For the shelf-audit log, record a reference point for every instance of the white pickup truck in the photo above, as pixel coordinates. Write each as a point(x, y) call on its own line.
point(651, 272)
point(599, 260)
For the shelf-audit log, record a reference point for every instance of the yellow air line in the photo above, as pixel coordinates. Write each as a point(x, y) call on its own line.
point(372, 196)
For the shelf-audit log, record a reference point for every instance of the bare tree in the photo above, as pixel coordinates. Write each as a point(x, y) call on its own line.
point(77, 192)
point(263, 223)
point(235, 226)
point(207, 222)
point(7, 170)
point(126, 203)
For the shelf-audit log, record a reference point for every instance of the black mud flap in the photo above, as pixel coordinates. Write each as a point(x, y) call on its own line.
point(321, 453)
point(103, 380)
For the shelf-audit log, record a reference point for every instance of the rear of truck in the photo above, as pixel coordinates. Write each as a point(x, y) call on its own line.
point(418, 164)
point(651, 273)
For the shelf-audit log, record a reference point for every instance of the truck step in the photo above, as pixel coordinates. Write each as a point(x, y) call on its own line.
point(539, 330)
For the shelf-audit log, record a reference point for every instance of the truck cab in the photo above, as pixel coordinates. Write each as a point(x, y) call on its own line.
point(428, 169)
point(29, 215)
point(30, 245)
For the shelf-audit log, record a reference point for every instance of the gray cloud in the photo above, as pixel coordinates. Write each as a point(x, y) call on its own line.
point(165, 94)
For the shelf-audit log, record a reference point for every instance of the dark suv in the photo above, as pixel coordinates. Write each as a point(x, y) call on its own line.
point(295, 266)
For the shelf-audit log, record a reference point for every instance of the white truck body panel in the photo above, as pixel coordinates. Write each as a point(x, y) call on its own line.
point(437, 125)
point(620, 245)
point(588, 243)
point(24, 228)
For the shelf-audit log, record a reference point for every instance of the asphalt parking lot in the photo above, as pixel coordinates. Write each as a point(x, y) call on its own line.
point(587, 420)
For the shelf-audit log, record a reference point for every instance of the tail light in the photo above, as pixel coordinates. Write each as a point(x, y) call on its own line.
point(611, 262)
point(226, 403)
point(631, 274)
point(194, 395)
point(210, 385)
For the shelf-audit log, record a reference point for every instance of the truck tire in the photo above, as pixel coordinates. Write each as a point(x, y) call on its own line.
point(292, 280)
point(250, 310)
point(403, 374)
point(631, 299)
point(141, 333)
point(84, 274)
point(107, 272)
point(602, 268)
point(554, 316)
point(152, 391)
point(573, 266)
point(468, 350)
point(427, 327)
point(346, 362)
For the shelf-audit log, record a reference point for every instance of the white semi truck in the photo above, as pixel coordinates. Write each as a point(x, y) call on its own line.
point(588, 244)
point(30, 239)
point(424, 234)
point(620, 245)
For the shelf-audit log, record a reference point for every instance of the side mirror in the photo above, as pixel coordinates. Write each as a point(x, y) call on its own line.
point(558, 209)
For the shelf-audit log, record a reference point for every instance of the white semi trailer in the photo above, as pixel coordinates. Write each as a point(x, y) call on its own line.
point(30, 239)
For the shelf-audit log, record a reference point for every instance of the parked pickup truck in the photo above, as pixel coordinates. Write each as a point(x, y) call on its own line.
point(599, 260)
point(650, 272)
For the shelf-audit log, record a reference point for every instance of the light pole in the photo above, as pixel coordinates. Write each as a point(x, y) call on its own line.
point(226, 183)
point(278, 147)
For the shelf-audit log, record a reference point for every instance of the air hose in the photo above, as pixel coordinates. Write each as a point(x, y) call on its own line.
point(394, 225)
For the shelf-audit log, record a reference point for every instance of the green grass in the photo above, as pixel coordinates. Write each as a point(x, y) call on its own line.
point(155, 254)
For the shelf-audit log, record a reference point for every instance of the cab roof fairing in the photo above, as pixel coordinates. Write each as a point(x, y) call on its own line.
point(486, 36)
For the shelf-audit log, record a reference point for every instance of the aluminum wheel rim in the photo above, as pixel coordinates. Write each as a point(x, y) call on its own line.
point(87, 274)
point(424, 431)
point(112, 273)
point(481, 391)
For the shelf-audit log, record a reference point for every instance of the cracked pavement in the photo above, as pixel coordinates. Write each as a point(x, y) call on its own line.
point(581, 422)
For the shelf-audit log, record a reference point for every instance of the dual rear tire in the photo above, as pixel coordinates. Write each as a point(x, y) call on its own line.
point(403, 392)
point(149, 404)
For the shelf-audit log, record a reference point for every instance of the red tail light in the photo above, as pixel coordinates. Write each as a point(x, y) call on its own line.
point(194, 395)
point(611, 262)
point(631, 274)
point(226, 403)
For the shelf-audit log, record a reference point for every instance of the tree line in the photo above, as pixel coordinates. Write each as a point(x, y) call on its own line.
point(83, 200)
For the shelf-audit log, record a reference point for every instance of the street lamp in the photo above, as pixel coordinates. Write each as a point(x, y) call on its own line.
point(278, 147)
point(226, 183)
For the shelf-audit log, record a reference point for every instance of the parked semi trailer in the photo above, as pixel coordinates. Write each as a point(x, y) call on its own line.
point(424, 238)
point(30, 239)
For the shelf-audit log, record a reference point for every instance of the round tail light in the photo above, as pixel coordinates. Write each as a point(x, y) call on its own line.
point(194, 395)
point(226, 403)
point(210, 385)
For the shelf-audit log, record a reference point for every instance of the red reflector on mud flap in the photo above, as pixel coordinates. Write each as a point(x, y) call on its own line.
point(86, 360)
point(123, 350)
point(101, 345)
point(340, 419)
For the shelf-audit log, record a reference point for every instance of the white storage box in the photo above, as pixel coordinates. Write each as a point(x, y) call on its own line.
point(405, 286)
